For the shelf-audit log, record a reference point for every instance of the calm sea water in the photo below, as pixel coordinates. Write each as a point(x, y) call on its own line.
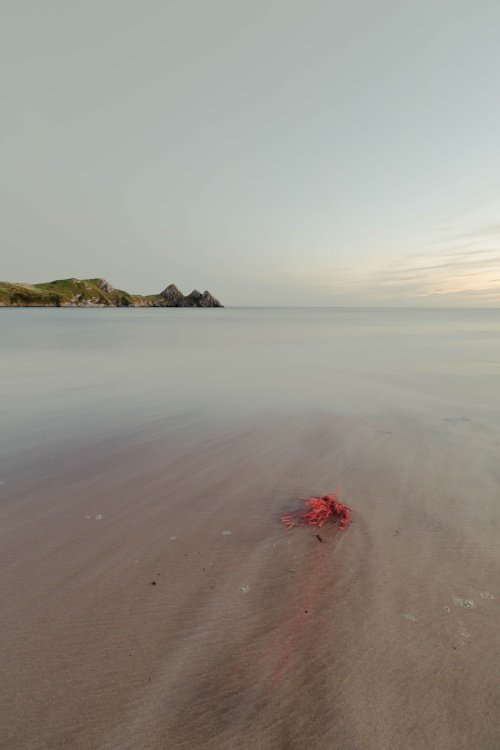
point(67, 371)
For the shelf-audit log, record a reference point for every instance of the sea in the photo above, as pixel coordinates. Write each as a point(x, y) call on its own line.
point(88, 372)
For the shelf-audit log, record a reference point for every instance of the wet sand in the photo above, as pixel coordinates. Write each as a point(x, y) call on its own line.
point(131, 618)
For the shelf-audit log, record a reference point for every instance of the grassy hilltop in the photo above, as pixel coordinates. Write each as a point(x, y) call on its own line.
point(95, 293)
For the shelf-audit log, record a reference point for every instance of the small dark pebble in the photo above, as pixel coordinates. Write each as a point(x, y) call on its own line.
point(306, 611)
point(318, 538)
point(153, 583)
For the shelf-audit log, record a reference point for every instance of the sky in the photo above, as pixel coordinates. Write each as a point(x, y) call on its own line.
point(275, 152)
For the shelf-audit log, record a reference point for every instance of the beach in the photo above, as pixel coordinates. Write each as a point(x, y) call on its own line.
point(151, 597)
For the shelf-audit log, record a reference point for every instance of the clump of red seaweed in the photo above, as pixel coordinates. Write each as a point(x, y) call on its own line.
point(317, 511)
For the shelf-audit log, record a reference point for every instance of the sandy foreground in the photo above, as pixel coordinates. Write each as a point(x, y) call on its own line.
point(385, 635)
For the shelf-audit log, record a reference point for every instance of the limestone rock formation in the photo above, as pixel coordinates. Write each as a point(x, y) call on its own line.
point(172, 296)
point(104, 286)
point(95, 293)
point(197, 299)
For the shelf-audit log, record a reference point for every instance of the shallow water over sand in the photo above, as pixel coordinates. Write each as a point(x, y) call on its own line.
point(76, 371)
point(133, 441)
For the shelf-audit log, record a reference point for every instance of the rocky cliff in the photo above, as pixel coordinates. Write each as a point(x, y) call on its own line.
point(95, 293)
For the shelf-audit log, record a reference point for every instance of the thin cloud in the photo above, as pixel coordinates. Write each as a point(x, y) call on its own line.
point(467, 272)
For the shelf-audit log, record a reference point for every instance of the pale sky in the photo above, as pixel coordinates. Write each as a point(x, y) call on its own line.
point(279, 152)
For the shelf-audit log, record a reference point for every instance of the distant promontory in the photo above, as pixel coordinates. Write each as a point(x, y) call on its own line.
point(96, 293)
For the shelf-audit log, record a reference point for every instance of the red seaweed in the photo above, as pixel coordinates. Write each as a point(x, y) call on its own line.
point(317, 511)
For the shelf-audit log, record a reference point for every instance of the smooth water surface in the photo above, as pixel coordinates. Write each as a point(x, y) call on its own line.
point(90, 371)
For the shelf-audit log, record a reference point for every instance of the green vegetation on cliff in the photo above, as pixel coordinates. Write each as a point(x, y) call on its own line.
point(95, 293)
